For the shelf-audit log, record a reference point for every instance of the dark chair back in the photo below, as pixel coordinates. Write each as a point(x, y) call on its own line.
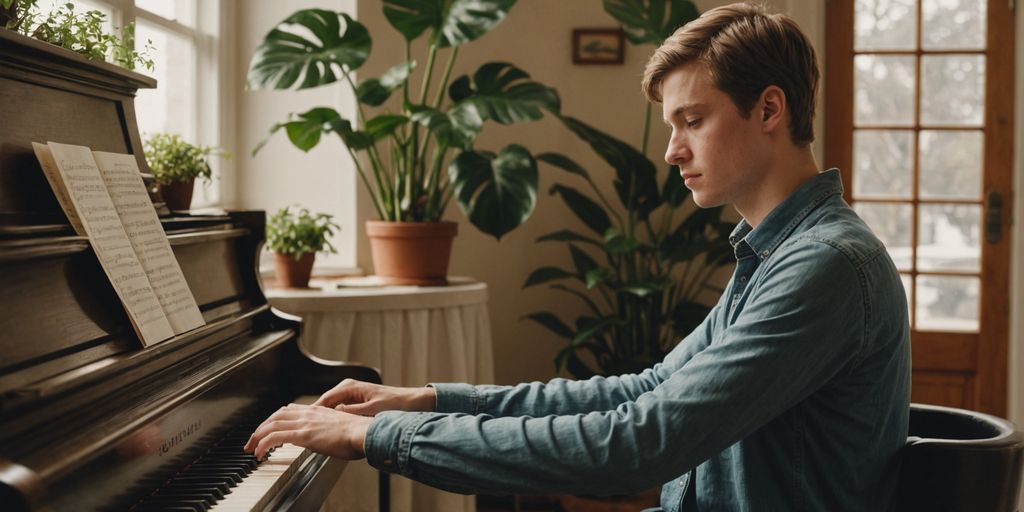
point(960, 460)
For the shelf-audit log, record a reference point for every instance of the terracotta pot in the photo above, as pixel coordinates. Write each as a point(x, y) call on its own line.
point(177, 194)
point(292, 273)
point(411, 253)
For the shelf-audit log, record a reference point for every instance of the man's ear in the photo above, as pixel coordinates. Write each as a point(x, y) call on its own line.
point(773, 108)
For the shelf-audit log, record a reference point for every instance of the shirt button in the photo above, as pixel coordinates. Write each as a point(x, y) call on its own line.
point(682, 483)
point(743, 279)
point(765, 254)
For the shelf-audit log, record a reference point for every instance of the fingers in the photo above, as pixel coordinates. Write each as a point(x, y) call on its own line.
point(275, 439)
point(345, 392)
point(285, 418)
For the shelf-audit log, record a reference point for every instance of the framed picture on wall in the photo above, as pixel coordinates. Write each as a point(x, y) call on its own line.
point(598, 46)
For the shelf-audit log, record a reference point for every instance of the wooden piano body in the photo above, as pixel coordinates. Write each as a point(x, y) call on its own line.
point(89, 419)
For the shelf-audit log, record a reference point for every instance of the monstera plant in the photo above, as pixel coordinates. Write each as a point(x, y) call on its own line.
point(648, 253)
point(409, 147)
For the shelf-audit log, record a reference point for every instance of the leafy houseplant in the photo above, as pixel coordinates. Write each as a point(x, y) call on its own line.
point(81, 33)
point(176, 164)
point(641, 268)
point(295, 238)
point(408, 149)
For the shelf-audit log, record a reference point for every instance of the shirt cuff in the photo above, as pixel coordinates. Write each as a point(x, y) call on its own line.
point(457, 397)
point(388, 442)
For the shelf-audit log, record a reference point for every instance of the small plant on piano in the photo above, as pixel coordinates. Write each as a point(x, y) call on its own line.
point(420, 146)
point(80, 32)
point(176, 164)
point(295, 237)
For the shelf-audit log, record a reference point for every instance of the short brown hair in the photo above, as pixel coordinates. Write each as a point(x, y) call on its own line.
point(745, 49)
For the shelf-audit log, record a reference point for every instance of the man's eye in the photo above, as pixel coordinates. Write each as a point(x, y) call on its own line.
point(693, 123)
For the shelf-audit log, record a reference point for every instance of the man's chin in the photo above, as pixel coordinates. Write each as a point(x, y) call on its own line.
point(704, 201)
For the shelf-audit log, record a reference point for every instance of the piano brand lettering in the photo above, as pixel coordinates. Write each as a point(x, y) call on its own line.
point(176, 439)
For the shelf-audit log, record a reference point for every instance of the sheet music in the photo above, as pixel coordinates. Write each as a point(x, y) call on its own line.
point(52, 174)
point(120, 173)
point(88, 194)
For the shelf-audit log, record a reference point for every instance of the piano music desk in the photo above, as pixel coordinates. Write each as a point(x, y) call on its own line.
point(414, 335)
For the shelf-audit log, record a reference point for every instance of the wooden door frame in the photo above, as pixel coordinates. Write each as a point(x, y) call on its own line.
point(991, 353)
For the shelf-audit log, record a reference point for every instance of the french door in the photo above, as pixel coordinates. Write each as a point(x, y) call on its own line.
point(919, 118)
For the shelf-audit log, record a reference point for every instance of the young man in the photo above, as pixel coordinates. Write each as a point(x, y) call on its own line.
point(792, 395)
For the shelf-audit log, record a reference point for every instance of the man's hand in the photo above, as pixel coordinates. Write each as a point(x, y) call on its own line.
point(366, 399)
point(320, 429)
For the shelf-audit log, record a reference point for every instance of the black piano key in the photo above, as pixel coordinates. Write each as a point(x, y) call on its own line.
point(212, 479)
point(210, 496)
point(188, 483)
point(173, 503)
point(234, 476)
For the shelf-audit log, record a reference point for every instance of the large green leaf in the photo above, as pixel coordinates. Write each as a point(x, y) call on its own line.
point(504, 93)
point(651, 21)
point(453, 22)
point(375, 91)
point(552, 322)
point(304, 130)
point(496, 193)
point(582, 261)
point(456, 128)
point(546, 274)
point(565, 163)
point(591, 327)
point(674, 191)
point(635, 175)
point(567, 235)
point(384, 125)
point(585, 208)
point(284, 56)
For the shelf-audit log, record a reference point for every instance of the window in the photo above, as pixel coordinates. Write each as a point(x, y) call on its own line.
point(184, 39)
point(916, 107)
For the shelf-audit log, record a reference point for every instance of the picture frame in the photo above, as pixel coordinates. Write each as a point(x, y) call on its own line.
point(601, 46)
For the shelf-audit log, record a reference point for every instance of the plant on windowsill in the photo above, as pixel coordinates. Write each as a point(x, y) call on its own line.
point(81, 33)
point(295, 238)
point(408, 149)
point(176, 164)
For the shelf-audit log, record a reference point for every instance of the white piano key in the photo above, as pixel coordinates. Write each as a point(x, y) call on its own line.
point(261, 486)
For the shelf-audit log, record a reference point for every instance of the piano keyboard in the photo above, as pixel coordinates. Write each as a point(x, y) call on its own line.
point(227, 479)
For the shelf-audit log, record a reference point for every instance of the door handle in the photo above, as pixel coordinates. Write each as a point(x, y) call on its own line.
point(994, 218)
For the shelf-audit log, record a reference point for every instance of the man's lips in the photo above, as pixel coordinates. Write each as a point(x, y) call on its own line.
point(689, 176)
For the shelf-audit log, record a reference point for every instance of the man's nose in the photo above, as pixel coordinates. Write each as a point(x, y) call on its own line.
point(677, 154)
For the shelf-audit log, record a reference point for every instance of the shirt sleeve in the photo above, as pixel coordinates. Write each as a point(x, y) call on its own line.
point(564, 396)
point(802, 325)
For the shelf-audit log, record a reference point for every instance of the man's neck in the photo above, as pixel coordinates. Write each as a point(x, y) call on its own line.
point(782, 178)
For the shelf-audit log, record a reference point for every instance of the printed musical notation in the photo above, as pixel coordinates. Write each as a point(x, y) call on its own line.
point(105, 199)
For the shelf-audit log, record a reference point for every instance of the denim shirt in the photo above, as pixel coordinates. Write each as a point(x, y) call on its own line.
point(793, 394)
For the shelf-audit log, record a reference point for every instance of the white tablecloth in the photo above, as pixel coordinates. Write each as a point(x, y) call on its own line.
point(414, 335)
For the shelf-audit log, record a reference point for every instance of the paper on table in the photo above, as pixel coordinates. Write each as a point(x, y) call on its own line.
point(52, 174)
point(90, 199)
point(120, 173)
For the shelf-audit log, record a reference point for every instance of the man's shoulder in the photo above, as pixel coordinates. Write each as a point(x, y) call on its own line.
point(836, 233)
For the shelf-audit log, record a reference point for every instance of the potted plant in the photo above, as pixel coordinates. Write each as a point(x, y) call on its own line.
point(176, 164)
point(295, 238)
point(82, 33)
point(407, 149)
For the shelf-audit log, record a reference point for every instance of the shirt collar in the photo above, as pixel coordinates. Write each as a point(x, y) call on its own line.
point(782, 220)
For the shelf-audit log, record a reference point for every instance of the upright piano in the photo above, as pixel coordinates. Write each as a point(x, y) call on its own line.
point(89, 418)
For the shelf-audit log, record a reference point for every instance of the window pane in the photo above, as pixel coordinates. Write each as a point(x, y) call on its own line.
point(891, 223)
point(45, 7)
point(947, 303)
point(883, 163)
point(182, 11)
point(949, 237)
point(885, 25)
point(951, 164)
point(883, 90)
point(953, 24)
point(171, 107)
point(952, 89)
